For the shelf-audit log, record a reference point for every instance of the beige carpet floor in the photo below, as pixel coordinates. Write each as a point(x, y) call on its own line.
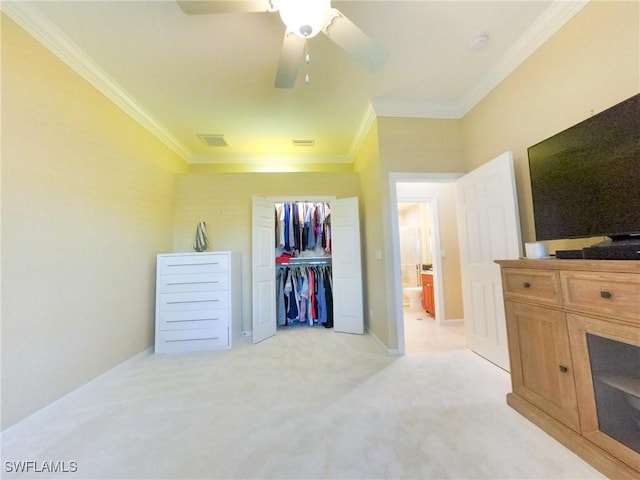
point(308, 403)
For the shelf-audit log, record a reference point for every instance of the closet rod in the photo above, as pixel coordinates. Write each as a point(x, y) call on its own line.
point(303, 262)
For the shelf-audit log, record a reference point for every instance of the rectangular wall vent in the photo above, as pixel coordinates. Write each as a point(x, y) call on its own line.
point(214, 140)
point(303, 143)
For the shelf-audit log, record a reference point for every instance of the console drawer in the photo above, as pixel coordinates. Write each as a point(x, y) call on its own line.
point(611, 294)
point(539, 286)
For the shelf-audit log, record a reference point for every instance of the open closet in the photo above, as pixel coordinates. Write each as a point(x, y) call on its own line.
point(304, 290)
point(331, 261)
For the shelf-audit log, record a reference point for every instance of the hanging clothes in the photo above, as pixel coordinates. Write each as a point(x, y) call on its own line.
point(328, 287)
point(304, 295)
point(303, 227)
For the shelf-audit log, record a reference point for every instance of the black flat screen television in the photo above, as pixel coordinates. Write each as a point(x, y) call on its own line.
point(585, 180)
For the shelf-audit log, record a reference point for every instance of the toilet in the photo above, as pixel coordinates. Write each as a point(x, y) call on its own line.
point(414, 294)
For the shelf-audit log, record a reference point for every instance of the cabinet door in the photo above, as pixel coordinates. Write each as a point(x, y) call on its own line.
point(607, 356)
point(427, 294)
point(541, 366)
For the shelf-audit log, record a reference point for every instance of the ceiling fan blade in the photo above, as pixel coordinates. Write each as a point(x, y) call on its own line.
point(290, 58)
point(355, 42)
point(200, 7)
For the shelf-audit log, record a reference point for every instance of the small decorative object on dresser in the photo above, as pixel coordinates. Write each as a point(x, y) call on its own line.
point(573, 329)
point(201, 242)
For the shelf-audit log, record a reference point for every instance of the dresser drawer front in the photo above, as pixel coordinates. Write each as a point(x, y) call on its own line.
point(176, 302)
point(194, 282)
point(190, 263)
point(190, 319)
point(217, 333)
point(612, 294)
point(191, 340)
point(539, 286)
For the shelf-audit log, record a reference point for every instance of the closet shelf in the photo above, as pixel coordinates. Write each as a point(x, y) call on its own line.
point(306, 261)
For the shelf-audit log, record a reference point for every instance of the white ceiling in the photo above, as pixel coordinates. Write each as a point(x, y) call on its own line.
point(183, 75)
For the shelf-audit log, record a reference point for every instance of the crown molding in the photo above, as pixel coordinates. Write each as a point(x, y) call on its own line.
point(390, 108)
point(41, 28)
point(552, 19)
point(367, 121)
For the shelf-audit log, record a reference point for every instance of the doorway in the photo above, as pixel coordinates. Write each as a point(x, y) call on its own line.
point(345, 260)
point(429, 291)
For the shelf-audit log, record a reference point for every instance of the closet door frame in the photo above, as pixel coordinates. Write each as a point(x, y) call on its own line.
point(330, 199)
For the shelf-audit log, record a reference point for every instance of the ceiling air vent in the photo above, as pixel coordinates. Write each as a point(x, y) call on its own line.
point(214, 140)
point(303, 143)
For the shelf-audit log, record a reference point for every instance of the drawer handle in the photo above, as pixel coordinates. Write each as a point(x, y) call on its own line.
point(605, 294)
point(191, 339)
point(192, 320)
point(526, 285)
point(193, 301)
point(563, 369)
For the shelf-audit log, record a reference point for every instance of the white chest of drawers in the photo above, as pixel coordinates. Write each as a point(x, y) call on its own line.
point(198, 303)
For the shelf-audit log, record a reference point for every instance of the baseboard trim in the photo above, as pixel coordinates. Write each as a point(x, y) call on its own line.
point(452, 322)
point(393, 352)
point(79, 389)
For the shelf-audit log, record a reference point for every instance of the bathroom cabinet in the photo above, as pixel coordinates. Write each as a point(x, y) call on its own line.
point(428, 302)
point(566, 319)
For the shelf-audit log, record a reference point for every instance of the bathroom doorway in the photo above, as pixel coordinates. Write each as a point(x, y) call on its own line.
point(429, 285)
point(414, 221)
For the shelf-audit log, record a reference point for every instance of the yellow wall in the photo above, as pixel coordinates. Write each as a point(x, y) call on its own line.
point(223, 201)
point(367, 166)
point(87, 198)
point(420, 145)
point(452, 277)
point(403, 145)
point(592, 63)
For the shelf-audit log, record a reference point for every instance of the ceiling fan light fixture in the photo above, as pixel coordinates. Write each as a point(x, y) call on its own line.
point(305, 18)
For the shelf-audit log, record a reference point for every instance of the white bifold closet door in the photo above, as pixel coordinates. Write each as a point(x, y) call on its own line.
point(264, 263)
point(346, 267)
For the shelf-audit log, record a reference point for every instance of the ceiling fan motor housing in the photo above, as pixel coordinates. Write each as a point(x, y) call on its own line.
point(305, 18)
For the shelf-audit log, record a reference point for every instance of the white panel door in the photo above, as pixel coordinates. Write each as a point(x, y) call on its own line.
point(347, 266)
point(264, 280)
point(489, 229)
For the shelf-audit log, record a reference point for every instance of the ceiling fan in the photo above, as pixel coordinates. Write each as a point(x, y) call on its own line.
point(303, 19)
